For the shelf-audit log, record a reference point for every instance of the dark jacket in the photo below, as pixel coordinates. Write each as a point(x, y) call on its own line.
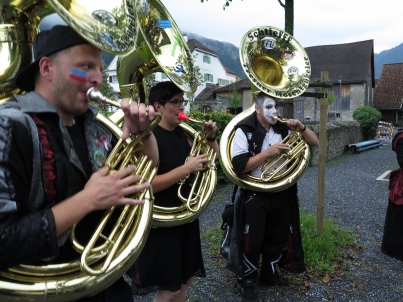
point(26, 222)
point(293, 256)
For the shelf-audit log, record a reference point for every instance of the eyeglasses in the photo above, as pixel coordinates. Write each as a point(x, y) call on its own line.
point(176, 103)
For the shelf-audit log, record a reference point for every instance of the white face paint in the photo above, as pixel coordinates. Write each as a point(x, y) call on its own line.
point(269, 108)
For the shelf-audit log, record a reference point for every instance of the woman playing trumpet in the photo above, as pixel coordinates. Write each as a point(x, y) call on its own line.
point(171, 256)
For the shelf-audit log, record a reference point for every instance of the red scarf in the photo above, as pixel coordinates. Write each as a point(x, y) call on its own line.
point(396, 187)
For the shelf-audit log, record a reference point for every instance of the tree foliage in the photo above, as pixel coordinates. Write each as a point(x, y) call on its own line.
point(235, 100)
point(368, 118)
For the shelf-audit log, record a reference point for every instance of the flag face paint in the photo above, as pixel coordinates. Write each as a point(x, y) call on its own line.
point(78, 75)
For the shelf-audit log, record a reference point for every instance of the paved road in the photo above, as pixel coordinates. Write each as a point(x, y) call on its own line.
point(355, 199)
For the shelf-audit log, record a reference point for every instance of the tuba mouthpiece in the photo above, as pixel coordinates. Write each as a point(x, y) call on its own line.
point(94, 95)
point(183, 117)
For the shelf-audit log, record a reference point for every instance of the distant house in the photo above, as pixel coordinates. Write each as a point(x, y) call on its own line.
point(112, 74)
point(211, 68)
point(219, 97)
point(388, 94)
point(351, 69)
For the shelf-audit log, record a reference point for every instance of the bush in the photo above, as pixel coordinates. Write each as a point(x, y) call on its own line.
point(368, 118)
point(222, 119)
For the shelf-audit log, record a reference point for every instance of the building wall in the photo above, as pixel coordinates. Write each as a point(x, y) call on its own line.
point(358, 97)
point(214, 68)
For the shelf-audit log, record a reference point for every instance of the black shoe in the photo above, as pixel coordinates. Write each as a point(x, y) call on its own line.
point(273, 280)
point(248, 291)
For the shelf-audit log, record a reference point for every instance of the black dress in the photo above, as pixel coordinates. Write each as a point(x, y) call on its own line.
point(392, 241)
point(171, 255)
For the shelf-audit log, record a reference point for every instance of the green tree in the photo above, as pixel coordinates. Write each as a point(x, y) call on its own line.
point(150, 81)
point(107, 91)
point(368, 118)
point(235, 100)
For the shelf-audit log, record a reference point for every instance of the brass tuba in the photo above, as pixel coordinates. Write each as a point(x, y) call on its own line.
point(277, 65)
point(162, 48)
point(203, 184)
point(112, 27)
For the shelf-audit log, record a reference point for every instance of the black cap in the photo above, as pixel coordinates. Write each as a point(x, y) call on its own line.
point(45, 44)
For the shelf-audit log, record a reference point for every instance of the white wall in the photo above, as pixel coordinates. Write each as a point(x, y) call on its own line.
point(214, 68)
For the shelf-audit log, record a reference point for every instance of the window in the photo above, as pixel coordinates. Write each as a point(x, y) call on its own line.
point(206, 59)
point(113, 79)
point(222, 82)
point(208, 77)
point(341, 98)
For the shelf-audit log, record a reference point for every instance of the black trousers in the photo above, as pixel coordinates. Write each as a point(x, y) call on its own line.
point(267, 218)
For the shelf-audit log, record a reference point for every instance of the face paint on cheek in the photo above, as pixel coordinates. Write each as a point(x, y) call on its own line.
point(78, 75)
point(268, 113)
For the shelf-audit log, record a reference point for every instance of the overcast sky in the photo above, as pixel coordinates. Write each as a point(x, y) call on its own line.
point(316, 22)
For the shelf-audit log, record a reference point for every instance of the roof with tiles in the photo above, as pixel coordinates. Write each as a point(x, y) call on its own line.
point(388, 94)
point(207, 92)
point(240, 85)
point(352, 61)
point(193, 43)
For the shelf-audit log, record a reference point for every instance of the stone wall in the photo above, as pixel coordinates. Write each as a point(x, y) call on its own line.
point(338, 135)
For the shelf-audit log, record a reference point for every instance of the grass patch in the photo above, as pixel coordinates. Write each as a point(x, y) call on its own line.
point(326, 254)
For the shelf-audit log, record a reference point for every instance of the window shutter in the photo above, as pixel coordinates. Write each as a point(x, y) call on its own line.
point(205, 77)
point(209, 60)
point(110, 79)
point(212, 78)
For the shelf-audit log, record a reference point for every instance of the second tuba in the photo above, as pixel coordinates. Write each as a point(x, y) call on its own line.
point(162, 48)
point(276, 64)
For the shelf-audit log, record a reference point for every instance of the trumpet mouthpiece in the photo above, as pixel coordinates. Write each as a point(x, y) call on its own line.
point(183, 117)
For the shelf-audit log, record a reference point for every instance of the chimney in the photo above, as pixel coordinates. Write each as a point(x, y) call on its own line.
point(185, 36)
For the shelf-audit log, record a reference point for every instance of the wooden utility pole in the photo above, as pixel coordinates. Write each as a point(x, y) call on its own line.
point(322, 155)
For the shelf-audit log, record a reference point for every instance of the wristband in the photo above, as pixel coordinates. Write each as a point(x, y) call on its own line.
point(212, 139)
point(303, 129)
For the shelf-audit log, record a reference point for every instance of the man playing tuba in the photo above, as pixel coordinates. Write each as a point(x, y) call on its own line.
point(52, 150)
point(270, 221)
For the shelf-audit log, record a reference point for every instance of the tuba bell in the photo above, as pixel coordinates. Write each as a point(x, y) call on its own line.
point(111, 27)
point(276, 64)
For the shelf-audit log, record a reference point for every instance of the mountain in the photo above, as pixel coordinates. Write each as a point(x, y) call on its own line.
point(393, 55)
point(227, 52)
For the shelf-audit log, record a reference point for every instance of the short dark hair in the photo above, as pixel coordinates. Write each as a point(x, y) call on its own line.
point(163, 91)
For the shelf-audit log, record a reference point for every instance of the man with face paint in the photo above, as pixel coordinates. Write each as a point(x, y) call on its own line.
point(267, 223)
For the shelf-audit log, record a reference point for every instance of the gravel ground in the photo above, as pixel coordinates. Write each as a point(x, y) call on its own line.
point(355, 199)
